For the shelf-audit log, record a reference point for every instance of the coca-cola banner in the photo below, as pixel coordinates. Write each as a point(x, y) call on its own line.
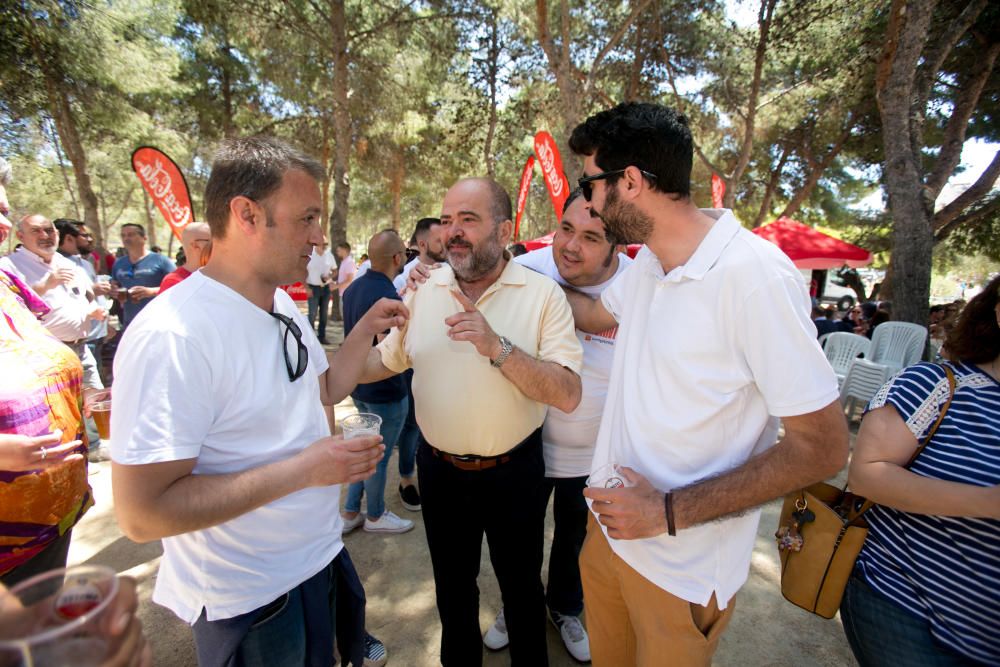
point(552, 169)
point(164, 182)
point(718, 191)
point(522, 192)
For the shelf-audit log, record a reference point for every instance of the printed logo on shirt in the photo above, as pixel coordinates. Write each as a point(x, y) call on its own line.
point(608, 336)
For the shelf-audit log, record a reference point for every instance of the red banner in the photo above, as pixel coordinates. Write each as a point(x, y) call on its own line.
point(165, 183)
point(522, 192)
point(718, 191)
point(297, 291)
point(552, 169)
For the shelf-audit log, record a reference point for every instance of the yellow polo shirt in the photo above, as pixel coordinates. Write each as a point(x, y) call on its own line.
point(464, 405)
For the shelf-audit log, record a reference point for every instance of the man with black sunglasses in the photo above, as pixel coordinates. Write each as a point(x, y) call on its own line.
point(220, 444)
point(698, 383)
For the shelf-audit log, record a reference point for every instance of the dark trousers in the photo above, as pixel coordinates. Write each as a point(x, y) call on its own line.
point(564, 592)
point(459, 506)
point(883, 634)
point(319, 300)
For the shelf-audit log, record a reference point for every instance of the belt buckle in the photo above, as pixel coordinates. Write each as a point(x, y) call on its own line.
point(465, 458)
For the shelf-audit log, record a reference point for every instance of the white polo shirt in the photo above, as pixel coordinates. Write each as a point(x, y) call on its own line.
point(320, 264)
point(67, 320)
point(200, 374)
point(708, 357)
point(568, 439)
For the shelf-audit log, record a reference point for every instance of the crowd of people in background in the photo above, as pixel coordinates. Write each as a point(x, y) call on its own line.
point(642, 397)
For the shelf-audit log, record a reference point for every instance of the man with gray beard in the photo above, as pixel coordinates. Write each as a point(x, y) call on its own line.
point(491, 344)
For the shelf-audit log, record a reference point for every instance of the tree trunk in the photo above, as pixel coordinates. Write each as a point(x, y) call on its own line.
point(492, 72)
point(396, 189)
point(341, 125)
point(149, 216)
point(911, 209)
point(772, 185)
point(341, 138)
point(62, 114)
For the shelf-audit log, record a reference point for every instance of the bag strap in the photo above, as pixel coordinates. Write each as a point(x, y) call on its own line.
point(952, 385)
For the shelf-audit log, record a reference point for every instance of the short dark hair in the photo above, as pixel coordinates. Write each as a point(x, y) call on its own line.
point(142, 230)
point(648, 136)
point(975, 338)
point(66, 228)
point(573, 196)
point(346, 246)
point(251, 167)
point(423, 226)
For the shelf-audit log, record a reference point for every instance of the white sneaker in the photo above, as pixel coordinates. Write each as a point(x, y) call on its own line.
point(388, 523)
point(496, 637)
point(351, 524)
point(573, 634)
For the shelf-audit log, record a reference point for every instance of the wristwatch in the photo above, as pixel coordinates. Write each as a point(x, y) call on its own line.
point(506, 347)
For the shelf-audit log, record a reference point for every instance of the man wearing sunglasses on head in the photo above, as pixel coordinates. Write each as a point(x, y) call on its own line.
point(220, 444)
point(698, 383)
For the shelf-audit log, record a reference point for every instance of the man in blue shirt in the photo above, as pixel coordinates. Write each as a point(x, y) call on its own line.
point(386, 398)
point(138, 273)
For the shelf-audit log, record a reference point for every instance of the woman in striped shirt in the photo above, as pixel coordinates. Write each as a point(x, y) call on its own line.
point(926, 588)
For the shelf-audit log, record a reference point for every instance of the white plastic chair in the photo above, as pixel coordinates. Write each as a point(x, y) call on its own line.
point(897, 345)
point(864, 379)
point(842, 348)
point(894, 346)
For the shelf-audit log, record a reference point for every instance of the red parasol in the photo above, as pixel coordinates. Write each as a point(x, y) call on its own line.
point(812, 249)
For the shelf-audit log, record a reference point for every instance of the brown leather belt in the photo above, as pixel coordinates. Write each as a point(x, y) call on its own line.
point(470, 462)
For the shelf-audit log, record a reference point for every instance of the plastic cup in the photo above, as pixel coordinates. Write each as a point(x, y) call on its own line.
point(361, 425)
point(608, 476)
point(101, 412)
point(54, 619)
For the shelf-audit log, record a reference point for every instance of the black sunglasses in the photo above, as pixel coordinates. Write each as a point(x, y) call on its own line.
point(586, 182)
point(294, 373)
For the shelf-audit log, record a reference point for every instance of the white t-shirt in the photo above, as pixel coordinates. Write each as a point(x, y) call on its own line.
point(346, 268)
point(67, 320)
point(399, 282)
point(97, 329)
point(200, 373)
point(320, 264)
point(708, 357)
point(568, 439)
point(363, 268)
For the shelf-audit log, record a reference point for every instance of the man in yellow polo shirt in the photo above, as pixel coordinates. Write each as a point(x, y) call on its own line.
point(491, 345)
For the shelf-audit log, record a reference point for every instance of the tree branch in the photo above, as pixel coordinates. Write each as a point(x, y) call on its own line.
point(772, 185)
point(683, 102)
point(613, 42)
point(936, 56)
point(972, 194)
point(958, 123)
point(968, 219)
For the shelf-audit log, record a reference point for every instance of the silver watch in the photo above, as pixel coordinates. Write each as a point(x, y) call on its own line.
point(506, 347)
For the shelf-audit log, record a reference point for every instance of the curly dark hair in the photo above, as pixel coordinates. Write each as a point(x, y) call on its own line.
point(975, 339)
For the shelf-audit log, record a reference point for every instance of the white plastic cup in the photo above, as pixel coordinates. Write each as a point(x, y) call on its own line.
point(54, 619)
point(360, 425)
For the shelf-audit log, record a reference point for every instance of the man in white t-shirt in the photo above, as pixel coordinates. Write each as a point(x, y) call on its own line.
point(220, 444)
point(698, 383)
point(580, 256)
point(430, 244)
point(319, 274)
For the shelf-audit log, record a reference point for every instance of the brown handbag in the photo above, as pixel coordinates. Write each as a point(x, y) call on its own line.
point(827, 524)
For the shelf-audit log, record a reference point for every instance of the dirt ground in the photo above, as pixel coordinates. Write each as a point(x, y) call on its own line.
point(396, 571)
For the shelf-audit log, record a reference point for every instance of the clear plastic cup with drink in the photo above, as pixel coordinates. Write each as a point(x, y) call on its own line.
point(100, 411)
point(361, 425)
point(56, 618)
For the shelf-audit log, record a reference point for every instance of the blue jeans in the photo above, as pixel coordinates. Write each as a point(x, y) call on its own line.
point(393, 415)
point(319, 298)
point(410, 435)
point(883, 634)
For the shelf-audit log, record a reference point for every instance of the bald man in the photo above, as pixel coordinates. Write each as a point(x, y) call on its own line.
point(195, 238)
point(386, 398)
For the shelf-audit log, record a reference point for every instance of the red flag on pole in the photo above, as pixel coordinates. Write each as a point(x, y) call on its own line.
point(552, 169)
point(718, 191)
point(165, 183)
point(522, 192)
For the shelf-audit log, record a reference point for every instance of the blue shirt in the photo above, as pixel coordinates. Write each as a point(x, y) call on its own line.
point(147, 272)
point(944, 570)
point(361, 295)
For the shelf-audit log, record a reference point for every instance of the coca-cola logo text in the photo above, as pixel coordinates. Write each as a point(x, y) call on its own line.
point(160, 185)
point(547, 158)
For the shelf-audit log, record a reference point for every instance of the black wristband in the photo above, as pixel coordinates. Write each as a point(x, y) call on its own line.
point(668, 507)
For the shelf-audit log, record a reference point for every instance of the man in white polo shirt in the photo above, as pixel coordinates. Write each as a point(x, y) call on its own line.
point(581, 256)
point(219, 441)
point(698, 384)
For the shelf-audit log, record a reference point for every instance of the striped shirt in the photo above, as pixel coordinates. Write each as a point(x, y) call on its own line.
point(945, 570)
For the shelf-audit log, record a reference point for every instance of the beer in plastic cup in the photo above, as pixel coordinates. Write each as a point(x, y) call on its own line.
point(101, 412)
point(360, 425)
